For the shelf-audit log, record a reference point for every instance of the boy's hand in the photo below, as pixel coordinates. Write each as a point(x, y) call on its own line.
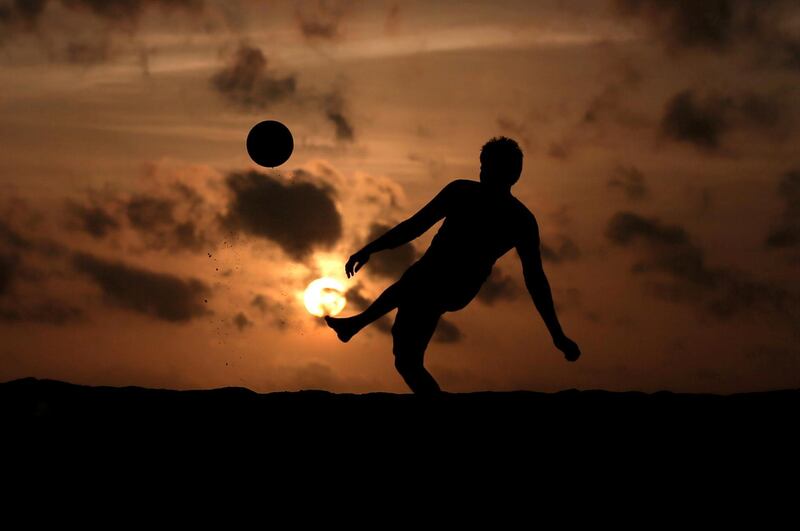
point(356, 262)
point(568, 347)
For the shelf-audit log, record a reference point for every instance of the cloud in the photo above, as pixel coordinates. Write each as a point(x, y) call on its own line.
point(299, 215)
point(87, 32)
point(156, 220)
point(610, 103)
point(50, 311)
point(276, 311)
point(8, 269)
point(567, 250)
point(447, 332)
point(787, 232)
point(671, 249)
point(115, 10)
point(390, 263)
point(334, 109)
point(560, 150)
point(10, 237)
point(27, 265)
point(26, 14)
point(705, 120)
point(173, 216)
point(498, 287)
point(160, 295)
point(698, 122)
point(393, 18)
point(721, 26)
point(247, 83)
point(630, 180)
point(241, 321)
point(93, 220)
point(21, 14)
point(682, 274)
point(321, 20)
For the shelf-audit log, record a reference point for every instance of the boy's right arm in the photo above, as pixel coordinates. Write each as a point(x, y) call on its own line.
point(404, 231)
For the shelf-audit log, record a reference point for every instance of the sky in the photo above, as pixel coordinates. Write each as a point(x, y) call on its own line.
point(139, 244)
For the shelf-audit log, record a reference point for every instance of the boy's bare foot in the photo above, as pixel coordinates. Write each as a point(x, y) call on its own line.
point(344, 327)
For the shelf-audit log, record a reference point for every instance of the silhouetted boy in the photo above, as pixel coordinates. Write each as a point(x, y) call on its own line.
point(482, 222)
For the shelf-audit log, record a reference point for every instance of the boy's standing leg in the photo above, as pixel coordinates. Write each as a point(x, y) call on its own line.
point(412, 331)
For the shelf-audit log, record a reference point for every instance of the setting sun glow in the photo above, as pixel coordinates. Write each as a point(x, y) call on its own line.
point(324, 296)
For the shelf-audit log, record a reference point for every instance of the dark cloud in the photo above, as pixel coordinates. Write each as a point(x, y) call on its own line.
point(8, 269)
point(298, 215)
point(673, 251)
point(176, 218)
point(787, 232)
point(93, 220)
point(390, 263)
point(26, 15)
point(155, 219)
point(630, 180)
point(276, 311)
point(321, 20)
point(26, 265)
point(393, 18)
point(610, 104)
point(704, 120)
point(559, 150)
point(90, 38)
point(241, 321)
point(679, 272)
point(626, 227)
point(722, 25)
point(149, 213)
point(447, 332)
point(686, 24)
point(129, 9)
point(334, 109)
point(21, 13)
point(11, 238)
point(498, 287)
point(566, 250)
point(160, 295)
point(689, 119)
point(51, 311)
point(247, 83)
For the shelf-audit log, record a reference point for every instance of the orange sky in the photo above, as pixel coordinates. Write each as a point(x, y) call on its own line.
point(660, 161)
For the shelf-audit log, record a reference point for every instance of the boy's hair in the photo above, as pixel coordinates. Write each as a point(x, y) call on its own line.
point(505, 156)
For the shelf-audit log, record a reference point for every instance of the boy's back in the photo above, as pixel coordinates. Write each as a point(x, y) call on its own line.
point(480, 226)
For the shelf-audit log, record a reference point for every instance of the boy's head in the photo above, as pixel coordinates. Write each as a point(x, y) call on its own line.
point(501, 162)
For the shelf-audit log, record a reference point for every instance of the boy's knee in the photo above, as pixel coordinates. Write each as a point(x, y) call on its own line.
point(406, 363)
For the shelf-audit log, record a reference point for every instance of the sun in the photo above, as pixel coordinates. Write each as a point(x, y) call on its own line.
point(324, 296)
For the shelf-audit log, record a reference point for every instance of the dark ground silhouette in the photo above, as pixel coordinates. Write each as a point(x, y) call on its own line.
point(482, 222)
point(46, 401)
point(484, 440)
